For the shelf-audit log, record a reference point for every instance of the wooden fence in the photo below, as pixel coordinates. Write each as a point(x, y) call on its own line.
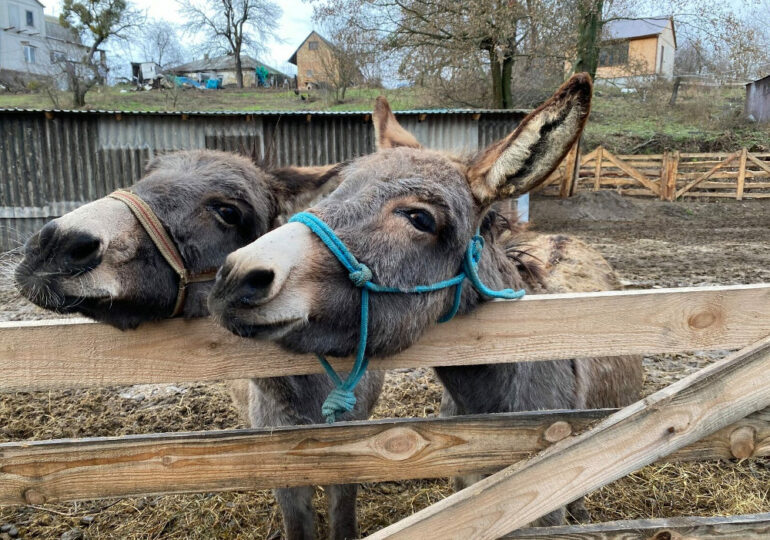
point(716, 413)
point(668, 176)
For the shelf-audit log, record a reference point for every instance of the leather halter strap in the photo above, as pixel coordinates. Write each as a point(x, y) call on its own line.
point(164, 243)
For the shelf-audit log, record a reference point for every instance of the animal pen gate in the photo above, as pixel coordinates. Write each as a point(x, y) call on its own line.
point(714, 414)
point(668, 176)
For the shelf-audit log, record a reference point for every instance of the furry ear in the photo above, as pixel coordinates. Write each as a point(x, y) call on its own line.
point(525, 158)
point(388, 133)
point(296, 187)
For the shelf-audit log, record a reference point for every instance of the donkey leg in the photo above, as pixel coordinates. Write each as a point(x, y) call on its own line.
point(343, 524)
point(297, 510)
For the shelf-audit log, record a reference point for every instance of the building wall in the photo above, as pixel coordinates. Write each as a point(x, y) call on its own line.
point(644, 57)
point(228, 77)
point(318, 62)
point(758, 100)
point(12, 41)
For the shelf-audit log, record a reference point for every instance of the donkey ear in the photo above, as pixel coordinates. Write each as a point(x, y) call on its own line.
point(388, 133)
point(295, 187)
point(525, 158)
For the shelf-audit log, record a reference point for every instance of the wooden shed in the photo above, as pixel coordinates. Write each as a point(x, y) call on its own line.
point(758, 100)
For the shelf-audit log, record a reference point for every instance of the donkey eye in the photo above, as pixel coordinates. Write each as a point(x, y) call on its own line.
point(229, 215)
point(421, 220)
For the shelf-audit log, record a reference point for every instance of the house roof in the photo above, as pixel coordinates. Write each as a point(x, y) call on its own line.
point(223, 63)
point(54, 30)
point(293, 57)
point(637, 28)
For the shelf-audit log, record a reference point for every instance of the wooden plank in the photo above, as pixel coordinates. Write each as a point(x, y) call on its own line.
point(703, 177)
point(568, 179)
point(746, 195)
point(671, 174)
point(383, 450)
point(598, 167)
point(635, 436)
point(765, 166)
point(633, 173)
point(741, 175)
point(745, 527)
point(665, 166)
point(79, 353)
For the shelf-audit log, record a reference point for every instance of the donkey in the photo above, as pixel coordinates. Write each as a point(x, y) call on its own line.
point(101, 262)
point(409, 214)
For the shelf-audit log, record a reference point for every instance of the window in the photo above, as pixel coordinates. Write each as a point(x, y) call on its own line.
point(312, 45)
point(13, 16)
point(614, 55)
point(58, 56)
point(30, 19)
point(309, 73)
point(29, 54)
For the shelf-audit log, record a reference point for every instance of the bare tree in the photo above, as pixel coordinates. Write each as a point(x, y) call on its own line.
point(96, 21)
point(232, 26)
point(159, 43)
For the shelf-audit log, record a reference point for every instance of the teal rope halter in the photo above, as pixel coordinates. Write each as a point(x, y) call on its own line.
point(342, 398)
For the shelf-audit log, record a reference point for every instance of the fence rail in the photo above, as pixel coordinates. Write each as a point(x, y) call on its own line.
point(78, 353)
point(668, 176)
point(717, 413)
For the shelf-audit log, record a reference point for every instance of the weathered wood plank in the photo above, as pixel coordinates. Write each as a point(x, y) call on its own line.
point(745, 527)
point(598, 168)
point(635, 436)
point(706, 176)
point(633, 173)
point(79, 353)
point(400, 449)
point(741, 175)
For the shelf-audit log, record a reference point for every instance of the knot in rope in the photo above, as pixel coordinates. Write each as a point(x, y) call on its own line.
point(361, 276)
point(339, 401)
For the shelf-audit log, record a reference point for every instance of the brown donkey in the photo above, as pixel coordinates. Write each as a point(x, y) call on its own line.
point(99, 261)
point(409, 215)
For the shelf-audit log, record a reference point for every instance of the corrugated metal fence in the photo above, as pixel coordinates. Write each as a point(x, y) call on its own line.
point(53, 161)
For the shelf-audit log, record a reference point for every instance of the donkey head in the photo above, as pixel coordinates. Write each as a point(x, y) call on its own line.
point(99, 261)
point(408, 214)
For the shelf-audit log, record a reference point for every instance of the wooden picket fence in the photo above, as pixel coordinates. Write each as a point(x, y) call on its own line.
point(668, 176)
point(718, 413)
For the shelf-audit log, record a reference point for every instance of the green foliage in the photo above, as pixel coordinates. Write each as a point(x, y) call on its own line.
point(96, 19)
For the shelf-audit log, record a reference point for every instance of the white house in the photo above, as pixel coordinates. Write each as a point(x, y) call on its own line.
point(33, 45)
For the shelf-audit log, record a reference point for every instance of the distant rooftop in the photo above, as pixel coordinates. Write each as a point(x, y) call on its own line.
point(635, 28)
point(223, 63)
point(54, 30)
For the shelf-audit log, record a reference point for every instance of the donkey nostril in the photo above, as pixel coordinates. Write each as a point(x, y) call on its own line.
point(46, 234)
point(84, 248)
point(255, 285)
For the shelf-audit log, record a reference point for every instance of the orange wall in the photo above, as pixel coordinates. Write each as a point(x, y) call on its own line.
point(642, 57)
point(319, 61)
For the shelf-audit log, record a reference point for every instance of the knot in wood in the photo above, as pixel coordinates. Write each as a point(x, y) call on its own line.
point(33, 496)
point(399, 444)
point(742, 442)
point(703, 319)
point(557, 431)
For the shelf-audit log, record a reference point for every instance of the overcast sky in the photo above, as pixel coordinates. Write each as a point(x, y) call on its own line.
point(294, 26)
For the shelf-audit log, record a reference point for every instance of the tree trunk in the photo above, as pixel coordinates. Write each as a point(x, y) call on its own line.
point(589, 36)
point(238, 68)
point(497, 89)
point(505, 82)
point(675, 91)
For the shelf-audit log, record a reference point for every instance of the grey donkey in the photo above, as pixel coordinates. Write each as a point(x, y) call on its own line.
point(99, 261)
point(409, 214)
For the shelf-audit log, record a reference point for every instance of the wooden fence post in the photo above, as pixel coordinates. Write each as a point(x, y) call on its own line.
point(741, 174)
point(571, 170)
point(671, 173)
point(598, 168)
point(664, 166)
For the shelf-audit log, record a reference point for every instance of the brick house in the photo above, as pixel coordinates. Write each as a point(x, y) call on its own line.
point(313, 59)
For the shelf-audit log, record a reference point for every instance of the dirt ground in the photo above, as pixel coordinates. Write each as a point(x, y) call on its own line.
point(650, 244)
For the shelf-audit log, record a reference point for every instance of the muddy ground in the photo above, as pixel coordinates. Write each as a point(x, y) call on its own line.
point(650, 244)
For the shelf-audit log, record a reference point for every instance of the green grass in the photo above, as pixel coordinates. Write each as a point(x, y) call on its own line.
point(251, 99)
